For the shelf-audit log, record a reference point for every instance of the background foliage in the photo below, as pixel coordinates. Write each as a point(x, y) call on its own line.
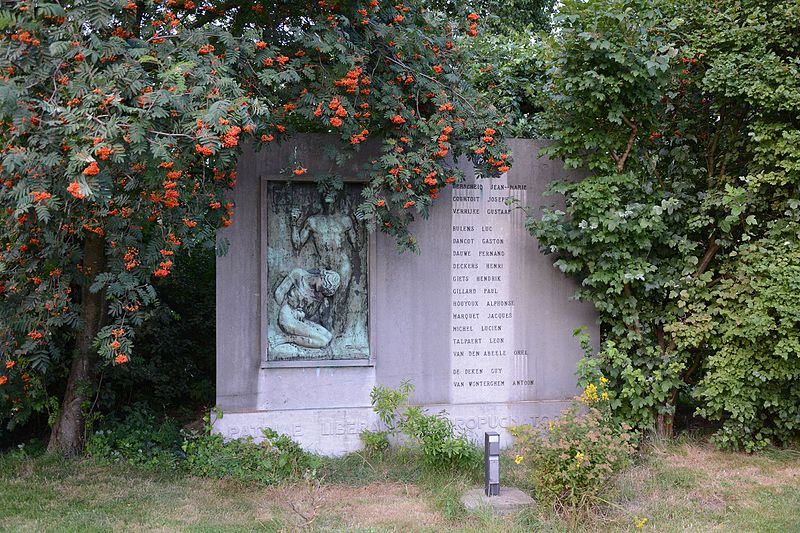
point(122, 122)
point(174, 366)
point(138, 437)
point(684, 232)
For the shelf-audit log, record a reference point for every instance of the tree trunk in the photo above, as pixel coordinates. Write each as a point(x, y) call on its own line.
point(69, 430)
point(664, 426)
point(665, 423)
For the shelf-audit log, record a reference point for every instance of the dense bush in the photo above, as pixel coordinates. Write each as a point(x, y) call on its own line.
point(141, 439)
point(750, 322)
point(153, 442)
point(686, 116)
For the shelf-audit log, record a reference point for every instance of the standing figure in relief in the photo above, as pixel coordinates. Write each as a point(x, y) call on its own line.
point(335, 239)
point(300, 296)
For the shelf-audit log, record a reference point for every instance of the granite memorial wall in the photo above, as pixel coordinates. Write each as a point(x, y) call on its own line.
point(313, 311)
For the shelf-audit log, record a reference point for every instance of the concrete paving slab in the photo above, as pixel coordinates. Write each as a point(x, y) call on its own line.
point(510, 500)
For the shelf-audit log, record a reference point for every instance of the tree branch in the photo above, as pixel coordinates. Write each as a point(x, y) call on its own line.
point(434, 80)
point(712, 150)
point(637, 326)
point(154, 132)
point(713, 248)
point(631, 139)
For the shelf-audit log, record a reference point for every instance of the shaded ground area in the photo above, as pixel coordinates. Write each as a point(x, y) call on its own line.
point(685, 486)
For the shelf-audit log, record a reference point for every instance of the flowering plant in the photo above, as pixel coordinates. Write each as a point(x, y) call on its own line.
point(570, 462)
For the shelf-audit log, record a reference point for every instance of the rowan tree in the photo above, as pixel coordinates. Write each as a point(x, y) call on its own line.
point(121, 126)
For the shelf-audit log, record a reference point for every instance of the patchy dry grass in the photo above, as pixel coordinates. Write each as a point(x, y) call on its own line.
point(691, 486)
point(684, 486)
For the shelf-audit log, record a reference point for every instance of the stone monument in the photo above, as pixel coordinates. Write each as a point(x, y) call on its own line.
point(312, 311)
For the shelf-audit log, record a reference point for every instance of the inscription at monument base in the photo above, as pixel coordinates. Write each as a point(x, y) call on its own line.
point(336, 431)
point(480, 321)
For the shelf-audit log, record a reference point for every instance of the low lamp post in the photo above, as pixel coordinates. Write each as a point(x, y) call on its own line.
point(492, 463)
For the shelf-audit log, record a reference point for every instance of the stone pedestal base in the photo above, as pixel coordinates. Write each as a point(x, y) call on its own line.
point(335, 431)
point(509, 501)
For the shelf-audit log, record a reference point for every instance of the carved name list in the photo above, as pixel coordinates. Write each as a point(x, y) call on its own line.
point(487, 361)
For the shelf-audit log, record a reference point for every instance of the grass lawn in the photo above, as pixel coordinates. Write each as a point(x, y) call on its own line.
point(681, 486)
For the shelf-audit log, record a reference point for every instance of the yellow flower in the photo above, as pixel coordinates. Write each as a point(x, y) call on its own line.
point(518, 459)
point(579, 456)
point(604, 396)
point(639, 522)
point(603, 380)
point(590, 394)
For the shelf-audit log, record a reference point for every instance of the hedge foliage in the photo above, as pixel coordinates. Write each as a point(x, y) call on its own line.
point(684, 233)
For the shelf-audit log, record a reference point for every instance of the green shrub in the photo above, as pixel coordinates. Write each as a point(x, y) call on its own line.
point(750, 322)
point(683, 232)
point(375, 442)
point(145, 440)
point(435, 435)
point(274, 459)
point(571, 462)
point(632, 390)
point(141, 439)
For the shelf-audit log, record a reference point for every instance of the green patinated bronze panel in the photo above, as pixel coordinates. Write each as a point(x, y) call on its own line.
point(317, 302)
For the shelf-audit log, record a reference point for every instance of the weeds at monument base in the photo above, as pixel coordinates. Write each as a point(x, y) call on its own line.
point(441, 446)
point(146, 440)
point(567, 465)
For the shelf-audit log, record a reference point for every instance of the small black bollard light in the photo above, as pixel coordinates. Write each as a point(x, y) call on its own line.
point(492, 463)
